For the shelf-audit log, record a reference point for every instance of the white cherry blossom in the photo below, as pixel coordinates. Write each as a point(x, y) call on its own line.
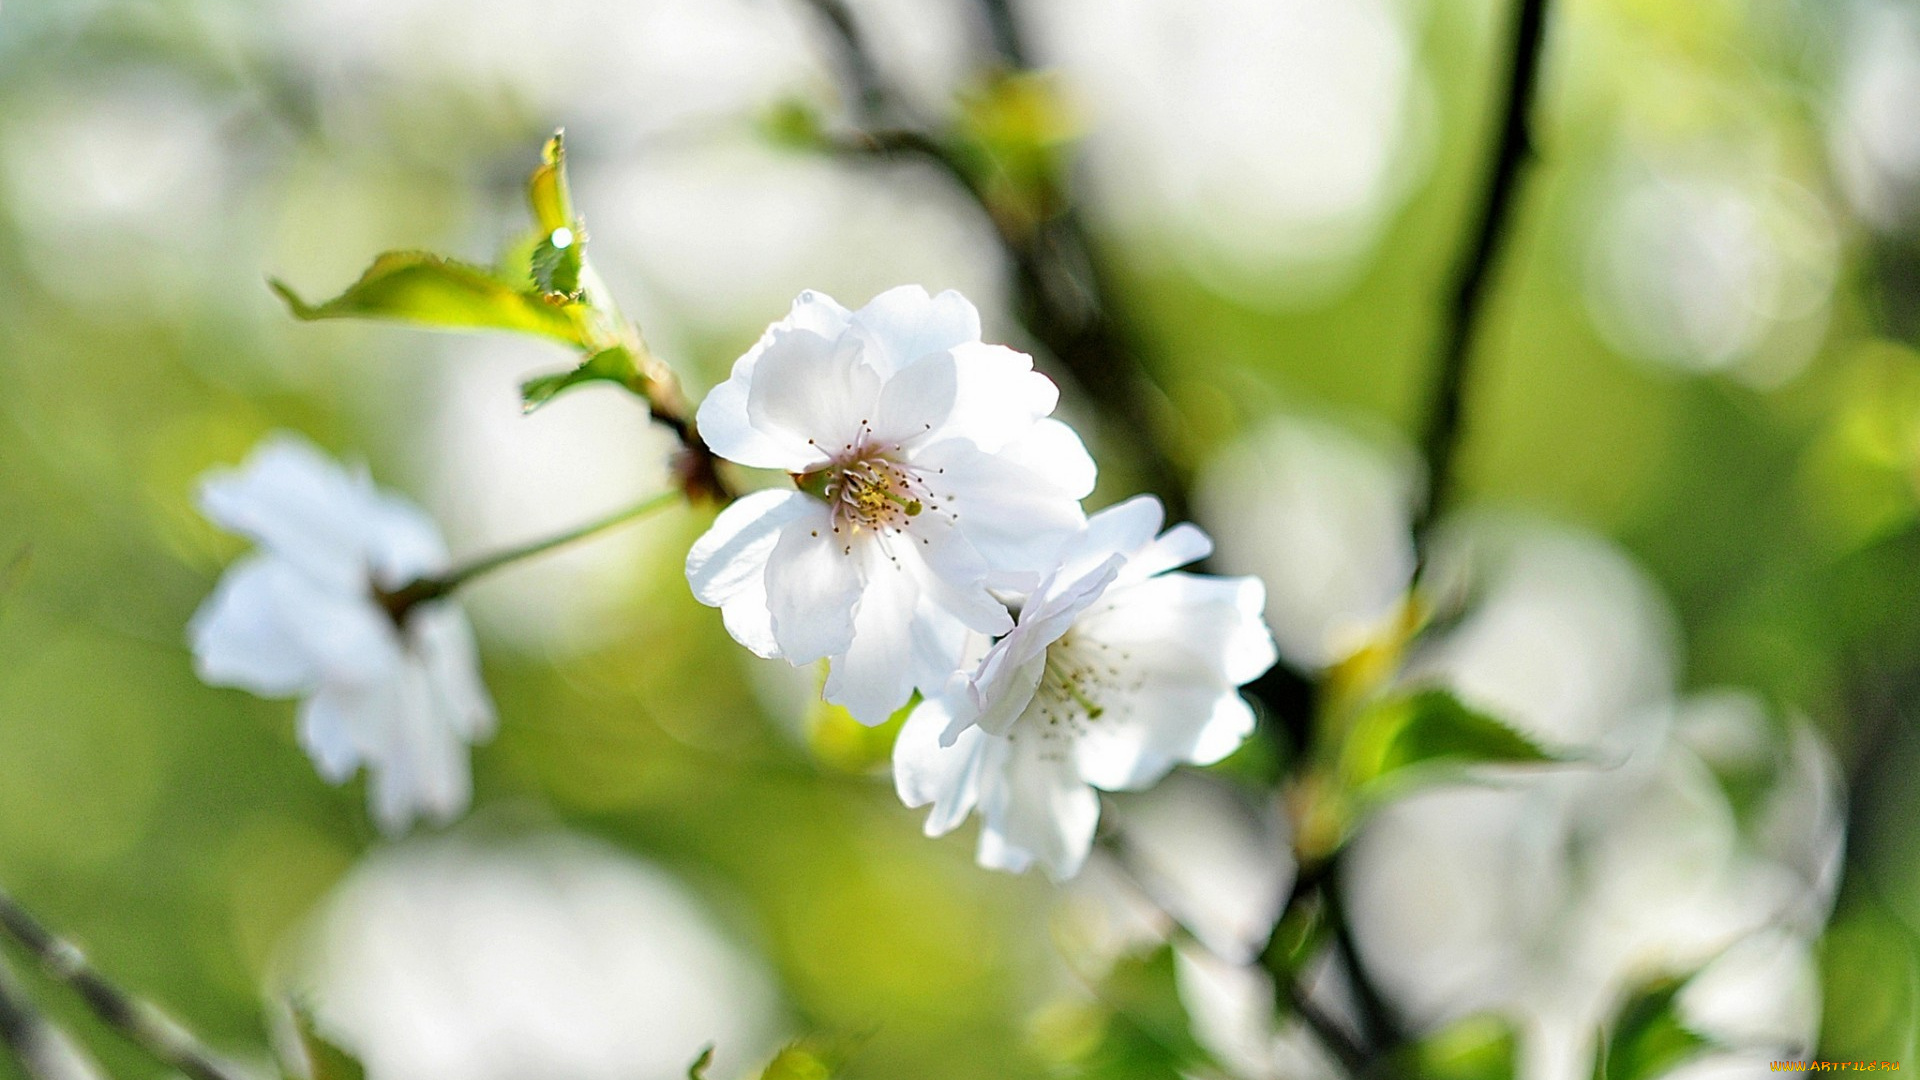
point(299, 618)
point(928, 474)
point(1117, 671)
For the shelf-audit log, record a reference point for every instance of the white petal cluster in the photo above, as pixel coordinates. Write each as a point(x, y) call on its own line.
point(928, 474)
point(1117, 671)
point(1545, 897)
point(299, 618)
point(936, 501)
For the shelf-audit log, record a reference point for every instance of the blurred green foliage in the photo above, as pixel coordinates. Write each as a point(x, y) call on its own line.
point(179, 831)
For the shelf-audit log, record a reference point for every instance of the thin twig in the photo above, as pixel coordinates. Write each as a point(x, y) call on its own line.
point(140, 1022)
point(421, 590)
point(1332, 1035)
point(1062, 288)
point(42, 1049)
point(1440, 442)
point(1003, 26)
point(873, 97)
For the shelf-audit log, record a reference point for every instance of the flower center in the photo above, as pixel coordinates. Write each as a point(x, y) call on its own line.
point(1082, 681)
point(871, 490)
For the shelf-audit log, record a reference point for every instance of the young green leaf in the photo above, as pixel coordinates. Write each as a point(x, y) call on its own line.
point(804, 1059)
point(413, 286)
point(1431, 729)
point(558, 255)
point(323, 1059)
point(547, 190)
point(1647, 1038)
point(1477, 1048)
point(613, 365)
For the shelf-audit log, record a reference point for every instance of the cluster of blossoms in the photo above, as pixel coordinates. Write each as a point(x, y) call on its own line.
point(932, 544)
point(935, 543)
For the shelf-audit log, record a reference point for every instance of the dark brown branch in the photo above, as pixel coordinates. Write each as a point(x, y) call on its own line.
point(140, 1022)
point(1492, 225)
point(41, 1049)
point(873, 97)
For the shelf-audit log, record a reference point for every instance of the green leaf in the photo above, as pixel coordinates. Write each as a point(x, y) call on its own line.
point(559, 253)
point(413, 286)
point(323, 1059)
point(806, 1059)
point(547, 190)
point(1431, 729)
point(1477, 1048)
point(793, 124)
point(698, 1070)
point(1647, 1038)
point(613, 365)
point(555, 264)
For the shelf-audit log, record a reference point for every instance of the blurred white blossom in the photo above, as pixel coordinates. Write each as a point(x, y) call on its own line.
point(1325, 519)
point(1874, 133)
point(548, 955)
point(1117, 671)
point(1722, 264)
point(1547, 896)
point(928, 472)
point(299, 618)
point(1543, 896)
point(1280, 136)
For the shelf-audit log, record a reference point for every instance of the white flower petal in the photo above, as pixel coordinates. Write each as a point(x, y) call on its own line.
point(1188, 623)
point(904, 325)
point(1142, 734)
point(727, 566)
point(809, 390)
point(875, 675)
point(915, 401)
point(999, 397)
point(420, 769)
point(239, 639)
point(298, 503)
point(1004, 691)
point(403, 543)
point(1177, 547)
point(1039, 810)
point(728, 431)
point(1015, 518)
point(330, 731)
point(272, 629)
point(813, 583)
point(1121, 529)
point(443, 639)
point(722, 419)
point(1053, 451)
point(925, 771)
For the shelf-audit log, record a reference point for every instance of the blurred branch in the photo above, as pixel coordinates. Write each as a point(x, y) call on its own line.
point(1004, 28)
point(1330, 1032)
point(1063, 290)
point(1440, 442)
point(140, 1022)
point(43, 1051)
point(873, 95)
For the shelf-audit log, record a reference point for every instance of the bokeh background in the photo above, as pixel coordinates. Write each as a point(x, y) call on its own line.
point(1700, 352)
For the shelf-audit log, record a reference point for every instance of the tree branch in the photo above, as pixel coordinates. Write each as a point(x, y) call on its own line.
point(140, 1022)
point(1440, 441)
point(43, 1050)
